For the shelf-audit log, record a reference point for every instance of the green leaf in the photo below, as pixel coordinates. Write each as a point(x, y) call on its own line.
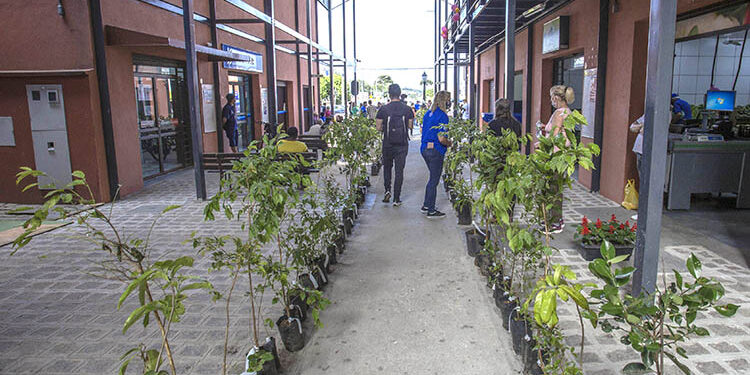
point(632, 319)
point(727, 310)
point(700, 331)
point(607, 250)
point(636, 368)
point(196, 285)
point(694, 266)
point(134, 284)
point(678, 279)
point(170, 208)
point(619, 258)
point(677, 363)
point(579, 299)
point(137, 314)
point(79, 174)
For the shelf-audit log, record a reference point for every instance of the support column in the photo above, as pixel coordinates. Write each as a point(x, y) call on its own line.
point(191, 80)
point(455, 81)
point(344, 83)
point(658, 87)
point(472, 102)
point(309, 65)
point(330, 59)
point(95, 12)
point(270, 30)
point(510, 50)
point(445, 57)
point(215, 71)
point(436, 42)
point(529, 82)
point(601, 79)
point(300, 100)
point(354, 30)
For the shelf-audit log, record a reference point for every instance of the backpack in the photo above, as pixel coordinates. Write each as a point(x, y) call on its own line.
point(395, 132)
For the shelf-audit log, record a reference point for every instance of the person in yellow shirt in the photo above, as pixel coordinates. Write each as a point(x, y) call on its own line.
point(291, 144)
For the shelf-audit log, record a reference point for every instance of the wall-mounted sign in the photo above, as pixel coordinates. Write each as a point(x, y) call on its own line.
point(556, 34)
point(255, 64)
point(264, 103)
point(589, 102)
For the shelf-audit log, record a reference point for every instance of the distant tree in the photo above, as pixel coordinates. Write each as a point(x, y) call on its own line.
point(325, 88)
point(382, 83)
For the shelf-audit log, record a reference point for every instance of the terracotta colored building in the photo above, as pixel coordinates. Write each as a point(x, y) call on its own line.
point(51, 113)
point(575, 63)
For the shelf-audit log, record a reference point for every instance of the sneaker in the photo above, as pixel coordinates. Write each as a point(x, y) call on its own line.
point(387, 197)
point(424, 210)
point(435, 215)
point(396, 203)
point(634, 217)
point(556, 228)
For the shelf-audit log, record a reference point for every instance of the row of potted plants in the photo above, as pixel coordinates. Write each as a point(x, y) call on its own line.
point(293, 231)
point(528, 288)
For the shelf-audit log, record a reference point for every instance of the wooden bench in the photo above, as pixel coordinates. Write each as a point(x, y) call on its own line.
point(224, 161)
point(313, 142)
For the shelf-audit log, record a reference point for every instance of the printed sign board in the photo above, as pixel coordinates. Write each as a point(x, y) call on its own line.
point(254, 64)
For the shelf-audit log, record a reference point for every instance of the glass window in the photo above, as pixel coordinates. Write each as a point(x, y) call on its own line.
point(720, 56)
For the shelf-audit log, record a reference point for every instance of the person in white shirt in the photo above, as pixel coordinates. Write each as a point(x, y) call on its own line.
point(315, 129)
point(637, 127)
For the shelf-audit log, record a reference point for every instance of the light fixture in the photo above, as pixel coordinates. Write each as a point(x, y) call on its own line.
point(534, 10)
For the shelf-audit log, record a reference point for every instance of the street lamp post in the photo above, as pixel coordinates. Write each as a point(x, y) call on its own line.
point(424, 86)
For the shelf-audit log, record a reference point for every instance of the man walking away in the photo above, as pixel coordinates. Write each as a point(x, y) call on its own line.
point(372, 111)
point(394, 120)
point(229, 121)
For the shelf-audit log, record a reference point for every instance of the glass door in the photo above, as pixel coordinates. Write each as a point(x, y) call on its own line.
point(239, 85)
point(164, 134)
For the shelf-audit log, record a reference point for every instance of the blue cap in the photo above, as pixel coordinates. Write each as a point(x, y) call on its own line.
point(674, 95)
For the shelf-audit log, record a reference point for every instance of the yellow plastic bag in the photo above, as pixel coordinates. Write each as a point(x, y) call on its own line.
point(631, 196)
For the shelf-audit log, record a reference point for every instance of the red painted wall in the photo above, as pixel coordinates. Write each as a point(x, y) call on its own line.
point(68, 39)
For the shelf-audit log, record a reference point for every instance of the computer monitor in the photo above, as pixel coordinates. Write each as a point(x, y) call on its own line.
point(720, 100)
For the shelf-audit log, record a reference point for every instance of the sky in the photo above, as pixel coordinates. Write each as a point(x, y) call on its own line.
point(392, 35)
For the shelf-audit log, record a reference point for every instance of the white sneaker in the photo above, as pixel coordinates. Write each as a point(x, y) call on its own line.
point(634, 217)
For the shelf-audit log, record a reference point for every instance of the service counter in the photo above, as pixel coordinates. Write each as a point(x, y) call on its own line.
point(707, 167)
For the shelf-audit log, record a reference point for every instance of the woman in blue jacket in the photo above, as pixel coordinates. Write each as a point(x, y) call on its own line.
point(433, 149)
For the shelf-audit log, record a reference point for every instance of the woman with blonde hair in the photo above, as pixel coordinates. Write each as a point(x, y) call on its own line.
point(561, 98)
point(433, 149)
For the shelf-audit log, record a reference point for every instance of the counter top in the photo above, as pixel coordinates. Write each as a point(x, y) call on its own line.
point(678, 145)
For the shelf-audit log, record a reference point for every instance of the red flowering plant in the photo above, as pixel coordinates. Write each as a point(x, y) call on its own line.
point(614, 231)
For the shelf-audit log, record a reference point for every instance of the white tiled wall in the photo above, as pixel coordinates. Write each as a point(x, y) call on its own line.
point(694, 60)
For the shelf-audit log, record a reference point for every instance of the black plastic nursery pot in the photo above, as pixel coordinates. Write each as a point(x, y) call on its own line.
point(531, 358)
point(270, 367)
point(464, 214)
point(474, 242)
point(483, 261)
point(453, 196)
point(348, 225)
point(324, 264)
point(591, 252)
point(374, 169)
point(298, 307)
point(520, 329)
point(320, 276)
point(507, 305)
point(332, 251)
point(341, 241)
point(290, 330)
point(308, 281)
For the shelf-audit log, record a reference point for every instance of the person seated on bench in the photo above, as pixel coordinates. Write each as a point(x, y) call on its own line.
point(291, 144)
point(316, 129)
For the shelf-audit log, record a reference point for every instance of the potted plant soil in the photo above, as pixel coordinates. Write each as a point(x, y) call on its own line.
point(592, 234)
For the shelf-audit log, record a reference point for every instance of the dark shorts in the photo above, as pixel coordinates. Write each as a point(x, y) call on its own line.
point(232, 135)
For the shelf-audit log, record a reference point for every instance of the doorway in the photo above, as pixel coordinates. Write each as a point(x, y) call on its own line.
point(163, 127)
point(568, 71)
point(281, 105)
point(239, 85)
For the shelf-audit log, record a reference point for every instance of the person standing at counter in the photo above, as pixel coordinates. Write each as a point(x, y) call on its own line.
point(682, 107)
point(637, 127)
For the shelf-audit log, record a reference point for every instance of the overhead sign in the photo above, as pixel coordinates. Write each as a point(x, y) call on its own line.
point(556, 34)
point(254, 64)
